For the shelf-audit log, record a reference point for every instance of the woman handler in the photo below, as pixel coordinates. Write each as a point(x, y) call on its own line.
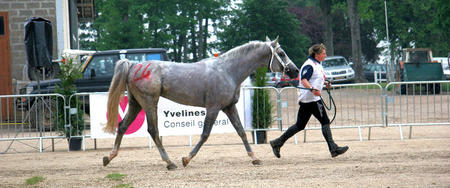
point(312, 77)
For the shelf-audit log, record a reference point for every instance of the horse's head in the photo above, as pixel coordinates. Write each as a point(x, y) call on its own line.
point(279, 61)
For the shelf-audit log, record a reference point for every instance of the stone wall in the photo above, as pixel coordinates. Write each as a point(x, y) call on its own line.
point(19, 11)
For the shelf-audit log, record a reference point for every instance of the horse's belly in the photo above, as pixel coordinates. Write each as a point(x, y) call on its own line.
point(191, 99)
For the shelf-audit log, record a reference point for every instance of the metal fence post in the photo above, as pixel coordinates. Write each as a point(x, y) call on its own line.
point(279, 119)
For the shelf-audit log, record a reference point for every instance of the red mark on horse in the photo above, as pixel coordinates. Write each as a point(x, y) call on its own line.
point(145, 73)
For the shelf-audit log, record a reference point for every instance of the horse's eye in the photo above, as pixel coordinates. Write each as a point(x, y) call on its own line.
point(281, 54)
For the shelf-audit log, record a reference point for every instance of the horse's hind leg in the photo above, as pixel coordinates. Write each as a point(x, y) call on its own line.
point(152, 123)
point(234, 118)
point(211, 115)
point(133, 110)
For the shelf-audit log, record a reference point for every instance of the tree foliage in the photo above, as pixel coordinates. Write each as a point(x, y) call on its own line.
point(184, 26)
point(413, 23)
point(256, 19)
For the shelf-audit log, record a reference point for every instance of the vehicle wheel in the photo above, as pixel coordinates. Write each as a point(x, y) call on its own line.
point(42, 114)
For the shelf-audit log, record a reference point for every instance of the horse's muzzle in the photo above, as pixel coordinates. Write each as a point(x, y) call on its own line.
point(292, 73)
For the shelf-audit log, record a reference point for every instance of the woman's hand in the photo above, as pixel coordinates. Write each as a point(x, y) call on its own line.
point(315, 92)
point(328, 84)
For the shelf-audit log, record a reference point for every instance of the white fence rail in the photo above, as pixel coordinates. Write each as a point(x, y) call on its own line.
point(358, 106)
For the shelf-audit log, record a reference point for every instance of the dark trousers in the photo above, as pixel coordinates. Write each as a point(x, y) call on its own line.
point(304, 114)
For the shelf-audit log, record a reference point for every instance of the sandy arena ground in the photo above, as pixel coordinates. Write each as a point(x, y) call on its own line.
point(383, 161)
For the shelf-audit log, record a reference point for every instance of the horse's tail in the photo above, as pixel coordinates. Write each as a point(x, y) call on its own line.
point(118, 84)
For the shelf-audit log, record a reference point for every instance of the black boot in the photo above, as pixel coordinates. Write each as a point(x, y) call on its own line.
point(338, 151)
point(276, 146)
point(335, 150)
point(277, 143)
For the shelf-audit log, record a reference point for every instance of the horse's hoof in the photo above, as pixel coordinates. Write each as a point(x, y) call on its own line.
point(256, 162)
point(185, 161)
point(105, 161)
point(172, 167)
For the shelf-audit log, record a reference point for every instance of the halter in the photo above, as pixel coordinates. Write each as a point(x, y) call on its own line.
point(273, 50)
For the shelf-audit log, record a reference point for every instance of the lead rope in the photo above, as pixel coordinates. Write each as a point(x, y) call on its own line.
point(330, 101)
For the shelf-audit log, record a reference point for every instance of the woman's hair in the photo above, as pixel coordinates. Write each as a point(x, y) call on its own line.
point(316, 49)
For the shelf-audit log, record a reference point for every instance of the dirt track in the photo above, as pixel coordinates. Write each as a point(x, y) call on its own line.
point(384, 161)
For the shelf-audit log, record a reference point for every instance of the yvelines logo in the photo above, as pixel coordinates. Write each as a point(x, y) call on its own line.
point(184, 113)
point(137, 123)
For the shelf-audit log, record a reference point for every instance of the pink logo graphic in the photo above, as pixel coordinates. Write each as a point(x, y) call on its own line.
point(137, 123)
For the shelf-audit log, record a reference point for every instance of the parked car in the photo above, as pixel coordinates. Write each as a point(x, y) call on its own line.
point(98, 70)
point(272, 78)
point(280, 80)
point(338, 70)
point(285, 81)
point(369, 71)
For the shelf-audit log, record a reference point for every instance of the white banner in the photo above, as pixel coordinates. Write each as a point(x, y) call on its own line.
point(173, 118)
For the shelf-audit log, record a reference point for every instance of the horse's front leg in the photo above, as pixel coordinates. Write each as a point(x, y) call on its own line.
point(236, 122)
point(211, 115)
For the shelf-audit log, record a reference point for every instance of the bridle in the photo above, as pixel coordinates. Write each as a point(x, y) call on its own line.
point(274, 54)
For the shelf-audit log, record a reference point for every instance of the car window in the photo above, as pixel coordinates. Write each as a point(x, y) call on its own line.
point(103, 65)
point(334, 62)
point(418, 56)
point(154, 57)
point(140, 57)
point(380, 68)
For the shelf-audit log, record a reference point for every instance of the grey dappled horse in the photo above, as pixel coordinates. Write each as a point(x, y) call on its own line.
point(213, 83)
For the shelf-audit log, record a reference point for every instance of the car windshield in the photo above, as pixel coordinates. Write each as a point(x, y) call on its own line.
point(140, 57)
point(103, 65)
point(376, 67)
point(334, 62)
point(418, 57)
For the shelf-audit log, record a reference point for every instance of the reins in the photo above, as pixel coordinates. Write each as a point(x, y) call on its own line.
point(330, 101)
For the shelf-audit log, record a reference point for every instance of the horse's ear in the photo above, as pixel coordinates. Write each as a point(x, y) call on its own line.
point(267, 39)
point(275, 42)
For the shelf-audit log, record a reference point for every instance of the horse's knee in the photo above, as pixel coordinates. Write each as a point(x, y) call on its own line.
point(204, 137)
point(242, 134)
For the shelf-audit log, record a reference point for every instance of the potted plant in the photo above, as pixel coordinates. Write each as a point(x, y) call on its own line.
point(69, 122)
point(261, 107)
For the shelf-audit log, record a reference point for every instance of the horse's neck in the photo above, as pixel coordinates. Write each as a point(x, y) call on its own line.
point(240, 67)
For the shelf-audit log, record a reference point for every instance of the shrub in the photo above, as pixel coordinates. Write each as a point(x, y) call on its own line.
point(261, 106)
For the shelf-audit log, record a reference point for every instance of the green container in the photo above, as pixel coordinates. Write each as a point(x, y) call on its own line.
point(423, 72)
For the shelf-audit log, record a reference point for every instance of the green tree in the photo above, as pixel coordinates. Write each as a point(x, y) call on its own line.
point(414, 23)
point(256, 19)
point(181, 26)
point(312, 15)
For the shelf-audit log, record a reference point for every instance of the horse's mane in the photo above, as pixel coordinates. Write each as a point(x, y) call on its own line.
point(243, 49)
